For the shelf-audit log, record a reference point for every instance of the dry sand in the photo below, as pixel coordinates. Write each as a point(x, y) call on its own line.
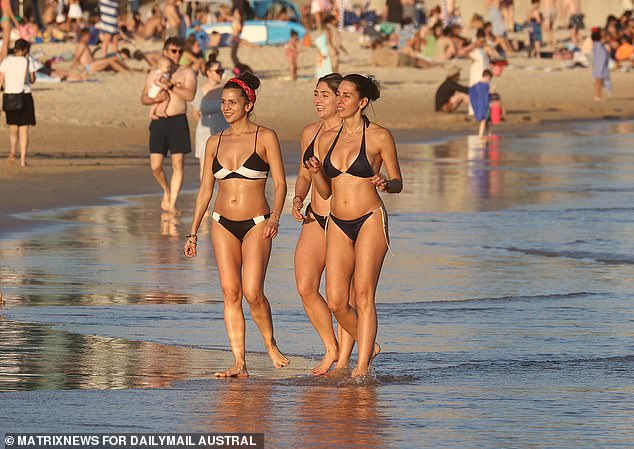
point(91, 137)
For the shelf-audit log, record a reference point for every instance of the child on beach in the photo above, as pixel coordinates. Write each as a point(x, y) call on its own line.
point(534, 27)
point(292, 53)
point(496, 111)
point(161, 76)
point(480, 100)
point(600, 65)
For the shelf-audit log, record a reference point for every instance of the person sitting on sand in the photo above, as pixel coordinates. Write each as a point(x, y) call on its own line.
point(383, 56)
point(193, 56)
point(451, 94)
point(83, 57)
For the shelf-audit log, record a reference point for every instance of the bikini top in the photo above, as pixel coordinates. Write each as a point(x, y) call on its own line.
point(360, 168)
point(253, 168)
point(310, 149)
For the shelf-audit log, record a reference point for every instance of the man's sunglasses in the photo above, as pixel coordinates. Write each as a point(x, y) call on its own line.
point(176, 51)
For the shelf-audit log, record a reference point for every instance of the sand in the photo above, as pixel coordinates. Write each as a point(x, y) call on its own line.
point(91, 138)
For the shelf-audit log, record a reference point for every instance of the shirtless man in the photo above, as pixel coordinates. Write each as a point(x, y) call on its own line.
point(83, 57)
point(174, 18)
point(575, 23)
point(171, 133)
point(549, 11)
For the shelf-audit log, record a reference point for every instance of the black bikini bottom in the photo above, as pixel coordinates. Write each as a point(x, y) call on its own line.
point(352, 227)
point(239, 228)
point(321, 219)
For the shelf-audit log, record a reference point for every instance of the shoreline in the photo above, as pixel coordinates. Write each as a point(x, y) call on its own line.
point(53, 187)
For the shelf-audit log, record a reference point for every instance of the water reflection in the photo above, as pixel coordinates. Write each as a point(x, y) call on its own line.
point(36, 357)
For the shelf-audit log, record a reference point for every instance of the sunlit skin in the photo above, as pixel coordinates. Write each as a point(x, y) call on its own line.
point(352, 197)
point(310, 252)
point(242, 265)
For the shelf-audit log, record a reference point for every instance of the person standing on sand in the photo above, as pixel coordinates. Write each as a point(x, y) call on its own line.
point(549, 11)
point(244, 224)
point(575, 23)
point(16, 75)
point(8, 21)
point(357, 234)
point(109, 14)
point(171, 133)
point(600, 65)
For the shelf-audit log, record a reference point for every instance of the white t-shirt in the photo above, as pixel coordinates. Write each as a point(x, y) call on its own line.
point(14, 69)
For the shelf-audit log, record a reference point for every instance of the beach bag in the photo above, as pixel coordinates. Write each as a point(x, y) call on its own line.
point(13, 102)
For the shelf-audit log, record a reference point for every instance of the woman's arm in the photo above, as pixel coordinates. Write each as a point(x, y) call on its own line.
point(202, 198)
point(393, 182)
point(274, 158)
point(321, 181)
point(302, 184)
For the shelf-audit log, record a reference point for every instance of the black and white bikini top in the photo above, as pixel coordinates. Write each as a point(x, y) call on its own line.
point(253, 168)
point(310, 149)
point(360, 168)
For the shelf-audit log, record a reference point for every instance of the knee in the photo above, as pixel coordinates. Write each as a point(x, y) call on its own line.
point(337, 302)
point(156, 169)
point(364, 299)
point(253, 295)
point(232, 295)
point(307, 288)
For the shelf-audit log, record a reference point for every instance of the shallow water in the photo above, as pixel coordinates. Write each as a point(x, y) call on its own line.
point(505, 313)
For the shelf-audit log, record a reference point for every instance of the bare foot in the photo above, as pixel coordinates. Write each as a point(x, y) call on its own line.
point(23, 164)
point(359, 372)
point(324, 366)
point(11, 158)
point(338, 373)
point(165, 202)
point(234, 371)
point(174, 212)
point(279, 360)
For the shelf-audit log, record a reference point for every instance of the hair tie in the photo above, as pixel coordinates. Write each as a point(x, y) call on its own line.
point(245, 87)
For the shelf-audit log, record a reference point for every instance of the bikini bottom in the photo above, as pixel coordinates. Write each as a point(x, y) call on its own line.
point(321, 219)
point(352, 227)
point(239, 228)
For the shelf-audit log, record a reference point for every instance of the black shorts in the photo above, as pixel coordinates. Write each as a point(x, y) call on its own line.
point(25, 116)
point(170, 134)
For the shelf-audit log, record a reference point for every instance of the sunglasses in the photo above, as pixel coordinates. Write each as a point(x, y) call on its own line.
point(218, 71)
point(176, 51)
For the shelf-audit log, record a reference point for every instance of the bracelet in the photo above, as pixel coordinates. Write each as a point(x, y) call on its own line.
point(301, 200)
point(192, 237)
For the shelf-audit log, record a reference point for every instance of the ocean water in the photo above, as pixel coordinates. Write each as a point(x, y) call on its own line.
point(505, 313)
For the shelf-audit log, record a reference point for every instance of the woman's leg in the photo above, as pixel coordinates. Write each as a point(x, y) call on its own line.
point(229, 261)
point(346, 342)
point(13, 139)
point(23, 135)
point(598, 87)
point(339, 270)
point(256, 251)
point(370, 252)
point(6, 38)
point(310, 260)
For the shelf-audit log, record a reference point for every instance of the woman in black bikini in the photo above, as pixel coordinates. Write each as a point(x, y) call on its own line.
point(356, 236)
point(310, 253)
point(243, 223)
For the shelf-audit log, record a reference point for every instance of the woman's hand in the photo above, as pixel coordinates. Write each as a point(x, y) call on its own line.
point(298, 203)
point(379, 181)
point(190, 246)
point(271, 227)
point(313, 165)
